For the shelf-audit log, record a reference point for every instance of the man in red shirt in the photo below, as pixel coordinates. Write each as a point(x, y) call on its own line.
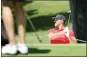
point(60, 34)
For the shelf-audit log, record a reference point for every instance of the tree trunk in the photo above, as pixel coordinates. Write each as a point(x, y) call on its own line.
point(79, 18)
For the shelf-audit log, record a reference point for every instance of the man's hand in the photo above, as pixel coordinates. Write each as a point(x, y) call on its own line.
point(73, 40)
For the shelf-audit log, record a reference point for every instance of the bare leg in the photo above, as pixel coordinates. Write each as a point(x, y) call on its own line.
point(9, 24)
point(21, 22)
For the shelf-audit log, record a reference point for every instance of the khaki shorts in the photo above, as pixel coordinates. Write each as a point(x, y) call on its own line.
point(11, 0)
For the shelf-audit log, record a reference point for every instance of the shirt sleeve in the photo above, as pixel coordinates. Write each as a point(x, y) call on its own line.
point(50, 31)
point(72, 33)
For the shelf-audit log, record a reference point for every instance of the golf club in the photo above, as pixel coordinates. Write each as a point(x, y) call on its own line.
point(34, 29)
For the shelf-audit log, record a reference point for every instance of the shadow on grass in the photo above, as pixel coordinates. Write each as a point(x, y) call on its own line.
point(43, 22)
point(35, 50)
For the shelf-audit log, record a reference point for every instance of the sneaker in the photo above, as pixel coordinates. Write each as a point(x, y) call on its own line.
point(22, 48)
point(9, 49)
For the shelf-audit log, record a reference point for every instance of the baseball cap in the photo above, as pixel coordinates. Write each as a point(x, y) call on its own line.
point(59, 17)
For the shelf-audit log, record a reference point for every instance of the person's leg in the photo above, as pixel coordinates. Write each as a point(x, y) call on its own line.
point(8, 23)
point(9, 26)
point(4, 37)
point(21, 22)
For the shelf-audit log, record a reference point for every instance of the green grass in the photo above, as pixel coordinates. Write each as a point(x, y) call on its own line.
point(41, 13)
point(47, 7)
point(55, 50)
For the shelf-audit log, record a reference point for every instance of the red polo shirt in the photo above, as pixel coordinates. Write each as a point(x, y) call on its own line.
point(62, 39)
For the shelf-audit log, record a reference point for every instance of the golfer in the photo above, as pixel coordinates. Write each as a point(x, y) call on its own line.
point(60, 34)
point(8, 20)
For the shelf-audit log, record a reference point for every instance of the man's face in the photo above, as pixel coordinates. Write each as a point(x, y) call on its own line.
point(58, 23)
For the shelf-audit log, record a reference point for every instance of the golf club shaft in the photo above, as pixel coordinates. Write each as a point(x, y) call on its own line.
point(33, 29)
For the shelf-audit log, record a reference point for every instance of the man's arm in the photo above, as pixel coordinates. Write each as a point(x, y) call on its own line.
point(52, 35)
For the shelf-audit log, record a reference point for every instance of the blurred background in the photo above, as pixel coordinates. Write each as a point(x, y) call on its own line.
point(40, 13)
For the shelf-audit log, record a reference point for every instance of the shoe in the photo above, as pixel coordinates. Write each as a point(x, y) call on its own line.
point(9, 49)
point(22, 48)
